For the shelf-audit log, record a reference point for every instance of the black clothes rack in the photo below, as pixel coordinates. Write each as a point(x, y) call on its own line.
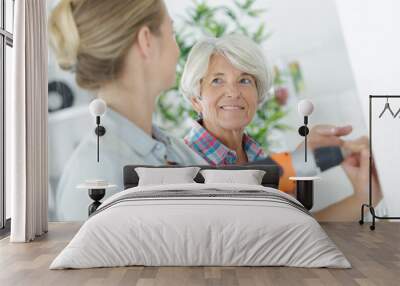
point(369, 205)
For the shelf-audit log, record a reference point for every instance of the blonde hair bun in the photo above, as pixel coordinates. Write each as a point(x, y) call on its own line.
point(64, 35)
point(92, 37)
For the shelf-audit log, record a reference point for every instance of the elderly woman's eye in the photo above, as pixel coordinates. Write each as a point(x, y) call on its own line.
point(246, 81)
point(216, 81)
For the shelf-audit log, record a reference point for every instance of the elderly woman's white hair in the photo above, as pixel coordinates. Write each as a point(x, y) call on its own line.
point(241, 52)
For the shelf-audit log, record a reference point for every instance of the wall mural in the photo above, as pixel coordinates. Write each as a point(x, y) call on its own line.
point(165, 107)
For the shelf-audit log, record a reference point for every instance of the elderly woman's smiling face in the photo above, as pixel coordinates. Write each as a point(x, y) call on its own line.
point(228, 96)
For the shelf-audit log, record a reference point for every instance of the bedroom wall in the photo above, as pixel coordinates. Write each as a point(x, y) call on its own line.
point(371, 32)
point(306, 31)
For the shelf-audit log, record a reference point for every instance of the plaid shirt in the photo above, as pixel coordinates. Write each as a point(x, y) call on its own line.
point(216, 153)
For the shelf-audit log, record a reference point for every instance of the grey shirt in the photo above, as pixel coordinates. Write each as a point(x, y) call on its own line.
point(123, 144)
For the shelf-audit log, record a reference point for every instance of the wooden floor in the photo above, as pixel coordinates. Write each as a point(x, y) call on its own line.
point(374, 255)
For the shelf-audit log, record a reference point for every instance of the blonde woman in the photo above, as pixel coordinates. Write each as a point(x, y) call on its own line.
point(124, 51)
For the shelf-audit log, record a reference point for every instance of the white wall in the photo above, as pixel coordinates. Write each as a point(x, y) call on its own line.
point(372, 35)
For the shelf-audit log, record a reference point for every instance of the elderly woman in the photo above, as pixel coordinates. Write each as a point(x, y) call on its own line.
point(225, 79)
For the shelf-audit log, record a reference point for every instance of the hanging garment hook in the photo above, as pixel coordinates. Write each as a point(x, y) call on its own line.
point(387, 107)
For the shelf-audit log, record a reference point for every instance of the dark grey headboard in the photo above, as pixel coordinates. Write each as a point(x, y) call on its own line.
point(270, 179)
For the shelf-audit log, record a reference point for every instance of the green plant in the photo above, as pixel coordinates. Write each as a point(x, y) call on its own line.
point(202, 19)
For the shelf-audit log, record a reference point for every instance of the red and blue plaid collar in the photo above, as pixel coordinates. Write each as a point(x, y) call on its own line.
point(216, 153)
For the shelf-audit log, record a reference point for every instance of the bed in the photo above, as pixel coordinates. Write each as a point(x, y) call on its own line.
point(199, 224)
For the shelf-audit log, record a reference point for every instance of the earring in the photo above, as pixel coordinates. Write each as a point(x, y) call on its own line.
point(199, 116)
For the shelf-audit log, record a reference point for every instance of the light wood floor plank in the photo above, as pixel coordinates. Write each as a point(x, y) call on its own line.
point(375, 257)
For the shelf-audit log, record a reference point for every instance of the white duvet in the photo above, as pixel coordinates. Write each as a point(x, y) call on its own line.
point(200, 231)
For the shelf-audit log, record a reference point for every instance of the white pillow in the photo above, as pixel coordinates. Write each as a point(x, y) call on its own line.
point(248, 177)
point(162, 176)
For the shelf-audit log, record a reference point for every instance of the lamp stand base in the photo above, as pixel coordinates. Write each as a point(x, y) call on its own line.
point(96, 195)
